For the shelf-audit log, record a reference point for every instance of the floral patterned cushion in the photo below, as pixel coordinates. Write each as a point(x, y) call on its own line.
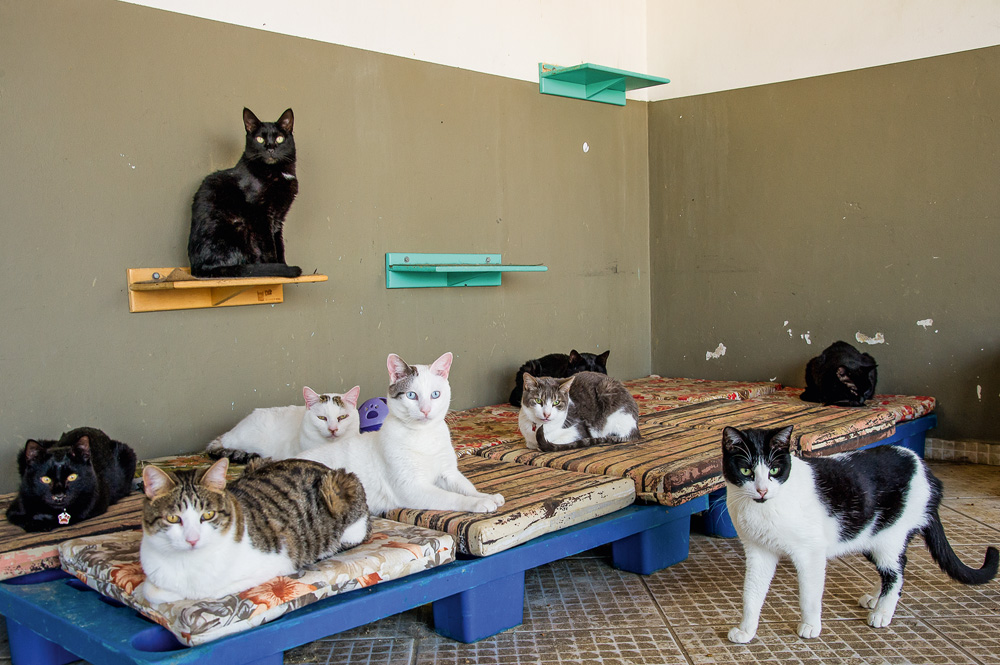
point(537, 501)
point(656, 393)
point(110, 565)
point(902, 407)
point(482, 427)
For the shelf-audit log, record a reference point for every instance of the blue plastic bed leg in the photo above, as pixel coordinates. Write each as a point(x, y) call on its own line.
point(481, 611)
point(659, 547)
point(29, 648)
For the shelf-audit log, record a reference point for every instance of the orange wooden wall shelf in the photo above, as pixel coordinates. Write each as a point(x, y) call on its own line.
point(162, 289)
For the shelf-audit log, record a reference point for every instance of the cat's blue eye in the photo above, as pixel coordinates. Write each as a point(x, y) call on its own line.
point(411, 395)
point(260, 139)
point(435, 394)
point(746, 472)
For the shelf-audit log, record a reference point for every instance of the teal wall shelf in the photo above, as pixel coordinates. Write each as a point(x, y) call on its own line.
point(413, 271)
point(592, 82)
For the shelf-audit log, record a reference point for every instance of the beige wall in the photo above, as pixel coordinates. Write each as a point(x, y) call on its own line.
point(112, 115)
point(862, 202)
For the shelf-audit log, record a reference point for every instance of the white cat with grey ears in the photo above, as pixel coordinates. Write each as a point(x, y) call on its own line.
point(869, 502)
point(409, 462)
point(280, 432)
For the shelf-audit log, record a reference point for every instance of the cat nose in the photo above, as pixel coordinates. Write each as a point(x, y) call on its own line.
point(192, 541)
point(762, 492)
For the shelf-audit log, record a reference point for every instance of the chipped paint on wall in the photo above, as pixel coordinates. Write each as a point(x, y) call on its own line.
point(879, 338)
point(925, 323)
point(806, 337)
point(720, 351)
point(979, 393)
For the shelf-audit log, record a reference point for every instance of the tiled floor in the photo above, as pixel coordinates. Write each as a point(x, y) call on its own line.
point(581, 610)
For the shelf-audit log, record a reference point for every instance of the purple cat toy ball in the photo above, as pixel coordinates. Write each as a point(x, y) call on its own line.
point(373, 413)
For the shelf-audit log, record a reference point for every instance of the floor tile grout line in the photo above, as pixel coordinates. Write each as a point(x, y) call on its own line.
point(974, 519)
point(666, 622)
point(947, 639)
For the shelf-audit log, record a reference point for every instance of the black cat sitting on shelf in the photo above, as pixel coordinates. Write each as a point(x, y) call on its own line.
point(69, 480)
point(558, 366)
point(238, 213)
point(841, 376)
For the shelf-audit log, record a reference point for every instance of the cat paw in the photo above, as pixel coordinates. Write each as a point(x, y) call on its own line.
point(808, 631)
point(867, 601)
point(486, 505)
point(154, 595)
point(879, 618)
point(739, 636)
point(498, 499)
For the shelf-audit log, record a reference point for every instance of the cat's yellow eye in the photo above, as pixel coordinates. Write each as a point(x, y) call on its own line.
point(538, 401)
point(173, 519)
point(323, 418)
point(208, 515)
point(746, 472)
point(280, 139)
point(46, 480)
point(71, 477)
point(342, 417)
point(260, 139)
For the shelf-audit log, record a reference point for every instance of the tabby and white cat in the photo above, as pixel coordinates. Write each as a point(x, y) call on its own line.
point(280, 432)
point(584, 410)
point(201, 539)
point(870, 502)
point(409, 461)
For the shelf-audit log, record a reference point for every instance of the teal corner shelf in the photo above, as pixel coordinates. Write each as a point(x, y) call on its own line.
point(592, 82)
point(413, 271)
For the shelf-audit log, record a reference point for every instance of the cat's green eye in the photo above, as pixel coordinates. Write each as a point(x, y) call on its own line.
point(71, 477)
point(323, 418)
point(555, 402)
point(538, 401)
point(341, 417)
point(280, 139)
point(208, 516)
point(774, 470)
point(46, 480)
point(746, 472)
point(173, 519)
point(260, 139)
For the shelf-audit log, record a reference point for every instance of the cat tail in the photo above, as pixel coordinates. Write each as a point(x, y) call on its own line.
point(547, 447)
point(945, 557)
point(216, 451)
point(249, 270)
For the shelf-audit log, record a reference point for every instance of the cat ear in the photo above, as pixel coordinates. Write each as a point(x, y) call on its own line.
point(529, 381)
point(215, 477)
point(442, 365)
point(731, 438)
point(574, 356)
point(310, 396)
point(782, 438)
point(250, 121)
point(285, 121)
point(32, 450)
point(398, 368)
point(565, 384)
point(351, 396)
point(156, 482)
point(603, 358)
point(81, 449)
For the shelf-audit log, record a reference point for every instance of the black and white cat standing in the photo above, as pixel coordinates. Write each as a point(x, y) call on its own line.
point(238, 214)
point(870, 502)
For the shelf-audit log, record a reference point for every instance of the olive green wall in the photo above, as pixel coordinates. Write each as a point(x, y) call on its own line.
point(788, 216)
point(113, 113)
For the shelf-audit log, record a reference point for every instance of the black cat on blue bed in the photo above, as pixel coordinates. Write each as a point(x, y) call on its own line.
point(841, 376)
point(238, 214)
point(66, 481)
point(558, 366)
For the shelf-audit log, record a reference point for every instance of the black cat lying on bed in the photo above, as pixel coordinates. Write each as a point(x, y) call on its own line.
point(841, 375)
point(558, 366)
point(69, 480)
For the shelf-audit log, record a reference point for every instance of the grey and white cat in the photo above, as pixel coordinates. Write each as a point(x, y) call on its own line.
point(201, 539)
point(586, 409)
point(870, 502)
point(280, 432)
point(409, 461)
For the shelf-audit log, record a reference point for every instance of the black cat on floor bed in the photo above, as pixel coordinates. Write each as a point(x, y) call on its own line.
point(238, 214)
point(841, 376)
point(558, 366)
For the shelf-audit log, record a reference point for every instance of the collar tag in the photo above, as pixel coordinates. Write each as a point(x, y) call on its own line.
point(63, 517)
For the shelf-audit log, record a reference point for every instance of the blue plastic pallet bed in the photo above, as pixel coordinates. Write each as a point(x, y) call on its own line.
point(639, 498)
